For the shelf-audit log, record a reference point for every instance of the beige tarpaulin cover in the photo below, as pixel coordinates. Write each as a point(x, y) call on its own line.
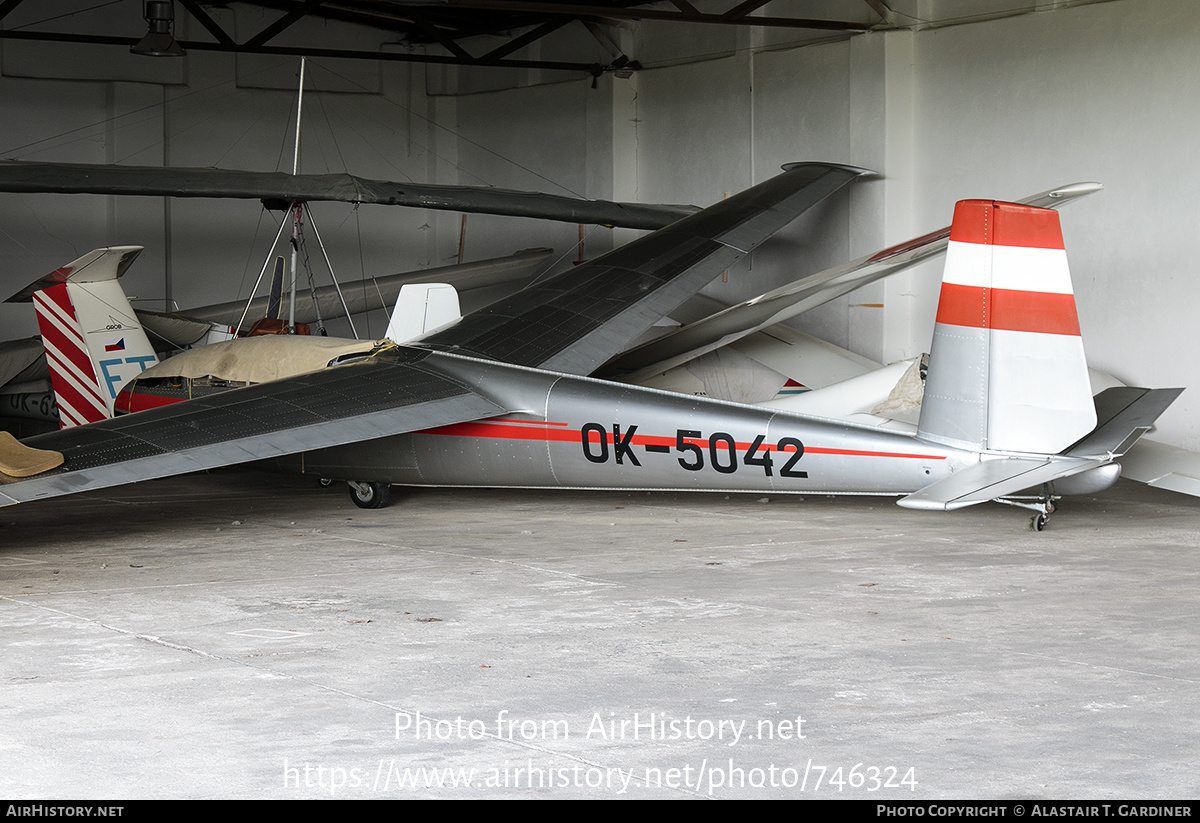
point(258, 359)
point(17, 460)
point(907, 394)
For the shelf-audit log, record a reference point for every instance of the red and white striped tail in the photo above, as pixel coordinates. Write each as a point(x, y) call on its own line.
point(76, 389)
point(1007, 370)
point(93, 340)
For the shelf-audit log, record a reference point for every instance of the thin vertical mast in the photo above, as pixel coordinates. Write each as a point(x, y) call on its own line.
point(296, 206)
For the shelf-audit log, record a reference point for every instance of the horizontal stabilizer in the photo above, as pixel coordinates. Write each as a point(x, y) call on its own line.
point(173, 329)
point(991, 479)
point(1125, 414)
point(94, 267)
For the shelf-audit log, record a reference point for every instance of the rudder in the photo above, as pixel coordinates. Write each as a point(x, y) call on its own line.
point(1007, 369)
point(93, 341)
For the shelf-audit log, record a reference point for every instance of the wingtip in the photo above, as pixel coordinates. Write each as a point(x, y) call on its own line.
point(1075, 190)
point(858, 170)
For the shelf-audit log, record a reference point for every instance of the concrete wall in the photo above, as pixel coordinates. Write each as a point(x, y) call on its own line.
point(1002, 109)
point(1107, 92)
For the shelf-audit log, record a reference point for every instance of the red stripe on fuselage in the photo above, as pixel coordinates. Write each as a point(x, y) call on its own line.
point(526, 422)
point(137, 401)
point(978, 307)
point(495, 429)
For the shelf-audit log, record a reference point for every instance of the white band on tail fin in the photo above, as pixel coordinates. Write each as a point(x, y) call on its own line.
point(1006, 369)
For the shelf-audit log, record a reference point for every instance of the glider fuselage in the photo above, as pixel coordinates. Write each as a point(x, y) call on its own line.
point(579, 432)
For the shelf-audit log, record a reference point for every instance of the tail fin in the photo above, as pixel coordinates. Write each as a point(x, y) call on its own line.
point(422, 308)
point(1006, 368)
point(94, 343)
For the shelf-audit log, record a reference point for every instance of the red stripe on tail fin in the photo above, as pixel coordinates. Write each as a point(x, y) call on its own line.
point(982, 308)
point(995, 223)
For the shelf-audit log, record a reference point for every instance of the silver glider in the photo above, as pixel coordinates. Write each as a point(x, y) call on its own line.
point(504, 398)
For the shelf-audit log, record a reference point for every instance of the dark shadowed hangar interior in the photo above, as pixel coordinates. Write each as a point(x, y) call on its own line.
point(750, 616)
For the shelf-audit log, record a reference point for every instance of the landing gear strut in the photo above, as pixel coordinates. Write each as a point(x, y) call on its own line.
point(369, 495)
point(1043, 508)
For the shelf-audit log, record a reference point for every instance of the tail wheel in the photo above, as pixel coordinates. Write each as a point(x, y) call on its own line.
point(370, 495)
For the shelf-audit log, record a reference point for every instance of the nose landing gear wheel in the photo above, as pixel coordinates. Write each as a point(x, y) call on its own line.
point(370, 495)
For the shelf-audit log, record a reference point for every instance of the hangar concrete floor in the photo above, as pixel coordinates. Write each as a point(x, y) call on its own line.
point(246, 634)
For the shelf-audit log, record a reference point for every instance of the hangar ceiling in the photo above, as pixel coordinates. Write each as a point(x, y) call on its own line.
point(488, 33)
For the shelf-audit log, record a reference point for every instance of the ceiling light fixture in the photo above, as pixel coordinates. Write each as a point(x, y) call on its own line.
point(159, 41)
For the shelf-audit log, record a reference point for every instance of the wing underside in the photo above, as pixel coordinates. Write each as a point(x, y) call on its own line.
point(80, 178)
